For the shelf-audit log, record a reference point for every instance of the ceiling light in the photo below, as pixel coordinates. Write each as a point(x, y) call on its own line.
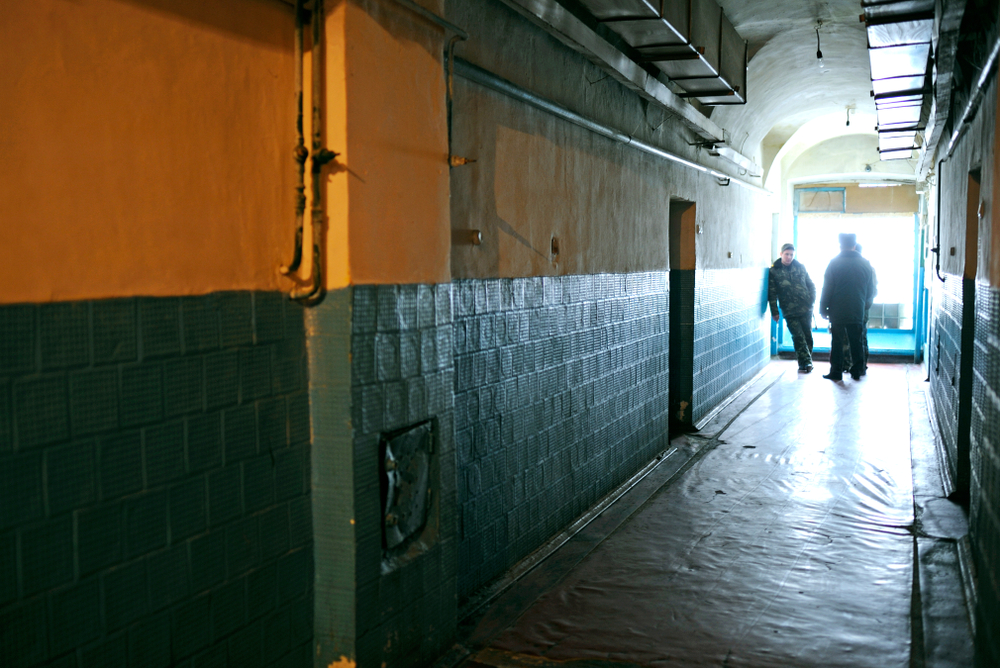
point(896, 155)
point(819, 51)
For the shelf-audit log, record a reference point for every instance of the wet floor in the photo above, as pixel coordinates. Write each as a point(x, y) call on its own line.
point(782, 534)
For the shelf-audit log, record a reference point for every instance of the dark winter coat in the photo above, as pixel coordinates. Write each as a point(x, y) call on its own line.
point(848, 289)
point(792, 287)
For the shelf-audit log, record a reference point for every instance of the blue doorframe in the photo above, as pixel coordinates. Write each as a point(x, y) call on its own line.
point(902, 342)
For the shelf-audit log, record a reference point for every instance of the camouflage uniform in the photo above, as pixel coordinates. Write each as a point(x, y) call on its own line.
point(792, 286)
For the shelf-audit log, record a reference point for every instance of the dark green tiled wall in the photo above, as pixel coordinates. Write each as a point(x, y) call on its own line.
point(381, 360)
point(946, 362)
point(561, 394)
point(731, 330)
point(984, 521)
point(154, 490)
point(682, 282)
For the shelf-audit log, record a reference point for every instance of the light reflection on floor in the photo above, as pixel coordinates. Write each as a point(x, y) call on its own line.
point(788, 544)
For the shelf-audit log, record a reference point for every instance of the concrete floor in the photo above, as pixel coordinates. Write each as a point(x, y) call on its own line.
point(805, 525)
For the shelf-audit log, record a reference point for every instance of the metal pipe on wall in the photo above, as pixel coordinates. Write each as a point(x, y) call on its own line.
point(434, 18)
point(316, 290)
point(301, 152)
point(314, 293)
point(937, 205)
point(467, 70)
point(457, 35)
point(970, 109)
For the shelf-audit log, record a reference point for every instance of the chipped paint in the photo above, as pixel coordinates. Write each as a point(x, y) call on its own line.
point(342, 662)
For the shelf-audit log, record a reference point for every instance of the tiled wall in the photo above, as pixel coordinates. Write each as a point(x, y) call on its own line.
point(154, 505)
point(984, 521)
point(945, 362)
point(730, 334)
point(154, 454)
point(560, 395)
point(682, 293)
point(402, 374)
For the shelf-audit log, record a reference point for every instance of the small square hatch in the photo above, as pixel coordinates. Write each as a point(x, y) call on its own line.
point(405, 482)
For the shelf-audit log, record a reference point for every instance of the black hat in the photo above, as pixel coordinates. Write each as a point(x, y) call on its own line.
point(787, 247)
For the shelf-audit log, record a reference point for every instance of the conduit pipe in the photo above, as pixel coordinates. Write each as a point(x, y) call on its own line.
point(314, 293)
point(434, 18)
point(474, 73)
point(963, 125)
point(301, 152)
point(975, 100)
point(937, 206)
point(457, 35)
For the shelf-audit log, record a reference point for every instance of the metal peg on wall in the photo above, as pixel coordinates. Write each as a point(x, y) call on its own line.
point(466, 237)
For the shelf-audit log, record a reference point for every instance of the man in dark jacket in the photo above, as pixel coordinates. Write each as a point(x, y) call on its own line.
point(848, 290)
point(848, 360)
point(789, 282)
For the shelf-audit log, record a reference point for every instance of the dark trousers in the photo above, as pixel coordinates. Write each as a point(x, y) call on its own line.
point(848, 358)
point(852, 334)
point(800, 327)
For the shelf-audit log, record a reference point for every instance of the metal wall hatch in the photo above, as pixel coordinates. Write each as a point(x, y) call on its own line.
point(691, 41)
point(405, 481)
point(899, 49)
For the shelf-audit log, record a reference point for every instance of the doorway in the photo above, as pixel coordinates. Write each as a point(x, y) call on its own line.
point(682, 277)
point(963, 464)
point(889, 242)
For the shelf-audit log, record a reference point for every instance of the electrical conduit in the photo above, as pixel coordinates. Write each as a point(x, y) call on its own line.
point(313, 294)
point(301, 152)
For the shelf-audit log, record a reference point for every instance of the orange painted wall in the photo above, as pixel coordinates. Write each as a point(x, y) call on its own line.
point(388, 193)
point(145, 147)
point(902, 198)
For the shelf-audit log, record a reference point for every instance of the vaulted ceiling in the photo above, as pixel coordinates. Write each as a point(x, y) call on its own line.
point(787, 88)
point(688, 57)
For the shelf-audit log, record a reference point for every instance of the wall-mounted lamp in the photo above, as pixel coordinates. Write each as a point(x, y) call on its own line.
point(819, 51)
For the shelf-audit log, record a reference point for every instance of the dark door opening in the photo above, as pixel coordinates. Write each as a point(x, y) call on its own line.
point(682, 277)
point(963, 466)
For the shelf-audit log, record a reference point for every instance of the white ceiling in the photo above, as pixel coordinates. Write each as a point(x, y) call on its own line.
point(786, 88)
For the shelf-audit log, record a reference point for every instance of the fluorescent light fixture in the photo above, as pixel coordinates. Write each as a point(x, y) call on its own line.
point(898, 84)
point(896, 141)
point(730, 154)
point(903, 32)
point(898, 115)
point(896, 155)
point(899, 61)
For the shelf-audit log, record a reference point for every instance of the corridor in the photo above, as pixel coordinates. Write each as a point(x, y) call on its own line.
point(354, 334)
point(780, 535)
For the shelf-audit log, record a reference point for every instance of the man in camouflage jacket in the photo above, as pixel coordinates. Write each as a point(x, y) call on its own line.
point(788, 282)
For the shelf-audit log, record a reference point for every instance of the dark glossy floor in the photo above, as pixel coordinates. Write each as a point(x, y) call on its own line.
point(803, 526)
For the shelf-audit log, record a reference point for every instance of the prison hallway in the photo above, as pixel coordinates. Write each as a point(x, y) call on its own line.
point(794, 529)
